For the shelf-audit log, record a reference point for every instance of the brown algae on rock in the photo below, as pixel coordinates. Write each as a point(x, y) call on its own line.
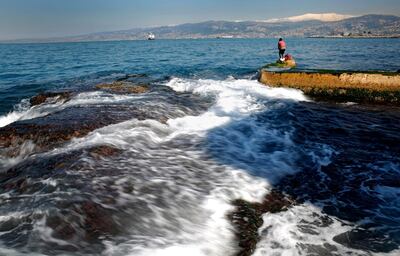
point(124, 87)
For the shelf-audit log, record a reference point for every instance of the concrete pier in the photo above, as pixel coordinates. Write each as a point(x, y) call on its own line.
point(363, 87)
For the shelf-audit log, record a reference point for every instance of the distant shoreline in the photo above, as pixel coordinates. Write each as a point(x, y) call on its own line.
point(371, 26)
point(355, 37)
point(194, 38)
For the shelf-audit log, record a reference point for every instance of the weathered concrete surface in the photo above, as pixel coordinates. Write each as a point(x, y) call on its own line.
point(339, 86)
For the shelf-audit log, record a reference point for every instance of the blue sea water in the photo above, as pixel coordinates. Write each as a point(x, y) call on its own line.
point(107, 172)
point(26, 69)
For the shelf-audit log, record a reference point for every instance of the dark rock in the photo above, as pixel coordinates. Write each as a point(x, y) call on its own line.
point(19, 185)
point(374, 241)
point(98, 221)
point(41, 98)
point(61, 228)
point(50, 131)
point(87, 221)
point(104, 151)
point(247, 219)
point(74, 122)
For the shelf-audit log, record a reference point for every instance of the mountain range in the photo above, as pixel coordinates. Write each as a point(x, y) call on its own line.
point(308, 25)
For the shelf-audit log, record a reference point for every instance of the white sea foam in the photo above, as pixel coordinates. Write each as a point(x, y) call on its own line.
point(192, 190)
point(24, 111)
point(183, 189)
point(25, 150)
point(292, 233)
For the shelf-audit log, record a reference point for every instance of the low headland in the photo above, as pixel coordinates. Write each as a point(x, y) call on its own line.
point(339, 86)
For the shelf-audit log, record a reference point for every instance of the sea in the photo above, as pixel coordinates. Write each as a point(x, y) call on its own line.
point(158, 173)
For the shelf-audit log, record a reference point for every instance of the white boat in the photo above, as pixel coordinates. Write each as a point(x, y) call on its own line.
point(151, 36)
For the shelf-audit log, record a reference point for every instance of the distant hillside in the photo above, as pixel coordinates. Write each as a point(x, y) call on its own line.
point(310, 25)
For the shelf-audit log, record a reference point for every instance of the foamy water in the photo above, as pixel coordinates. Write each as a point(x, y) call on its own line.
point(186, 173)
point(24, 111)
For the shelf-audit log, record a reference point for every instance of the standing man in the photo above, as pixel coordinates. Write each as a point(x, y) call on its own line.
point(282, 49)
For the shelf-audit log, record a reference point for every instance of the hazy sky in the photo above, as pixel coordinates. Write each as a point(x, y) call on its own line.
point(47, 18)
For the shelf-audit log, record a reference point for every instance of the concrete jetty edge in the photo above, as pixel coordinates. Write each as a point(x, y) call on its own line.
point(339, 86)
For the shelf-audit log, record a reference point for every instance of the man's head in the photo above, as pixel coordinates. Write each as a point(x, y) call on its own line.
point(280, 39)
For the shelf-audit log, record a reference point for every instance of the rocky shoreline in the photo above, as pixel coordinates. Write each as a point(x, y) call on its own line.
point(50, 131)
point(339, 86)
point(84, 221)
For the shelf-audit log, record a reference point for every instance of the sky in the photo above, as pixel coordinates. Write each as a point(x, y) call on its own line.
point(55, 18)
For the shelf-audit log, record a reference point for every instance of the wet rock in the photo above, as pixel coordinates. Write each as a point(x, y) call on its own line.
point(61, 228)
point(366, 240)
point(247, 219)
point(50, 131)
point(82, 223)
point(124, 87)
point(320, 250)
point(19, 185)
point(42, 135)
point(45, 133)
point(98, 221)
point(104, 151)
point(43, 97)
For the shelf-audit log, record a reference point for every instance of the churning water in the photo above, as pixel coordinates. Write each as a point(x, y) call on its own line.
point(207, 133)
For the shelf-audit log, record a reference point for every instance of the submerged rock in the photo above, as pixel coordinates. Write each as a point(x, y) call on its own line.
point(82, 223)
point(98, 221)
point(43, 97)
point(247, 219)
point(51, 131)
point(104, 151)
point(375, 241)
point(45, 133)
point(124, 87)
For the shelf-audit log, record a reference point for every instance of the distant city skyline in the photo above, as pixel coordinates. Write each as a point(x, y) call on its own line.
point(56, 18)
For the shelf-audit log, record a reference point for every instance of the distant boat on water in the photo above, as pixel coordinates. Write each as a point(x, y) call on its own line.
point(151, 36)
